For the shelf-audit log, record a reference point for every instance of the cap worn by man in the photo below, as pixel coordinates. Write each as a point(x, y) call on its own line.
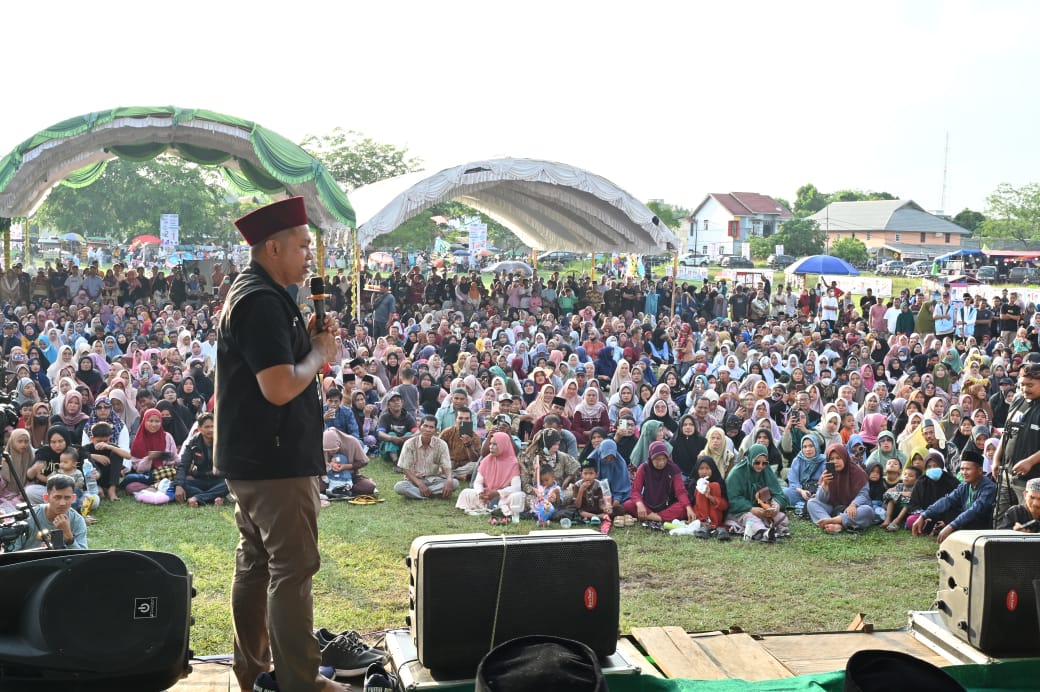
point(259, 225)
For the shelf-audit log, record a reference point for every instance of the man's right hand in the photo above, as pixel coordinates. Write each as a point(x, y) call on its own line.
point(325, 344)
point(423, 489)
point(179, 495)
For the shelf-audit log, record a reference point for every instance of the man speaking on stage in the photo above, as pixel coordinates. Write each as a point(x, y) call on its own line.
point(268, 446)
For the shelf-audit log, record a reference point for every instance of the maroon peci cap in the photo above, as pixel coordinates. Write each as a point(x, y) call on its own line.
point(260, 224)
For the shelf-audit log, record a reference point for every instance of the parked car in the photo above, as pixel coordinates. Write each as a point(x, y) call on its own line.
point(919, 268)
point(1024, 276)
point(694, 259)
point(780, 261)
point(892, 267)
point(558, 258)
point(987, 274)
point(735, 262)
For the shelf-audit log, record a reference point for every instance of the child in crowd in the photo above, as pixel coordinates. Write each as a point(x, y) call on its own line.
point(547, 494)
point(709, 496)
point(340, 477)
point(877, 488)
point(91, 498)
point(368, 429)
point(897, 500)
point(109, 461)
point(69, 465)
point(592, 504)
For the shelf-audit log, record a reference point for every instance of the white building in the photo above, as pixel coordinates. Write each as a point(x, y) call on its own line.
point(724, 220)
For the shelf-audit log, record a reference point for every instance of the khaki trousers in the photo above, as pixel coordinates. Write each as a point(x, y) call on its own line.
point(271, 600)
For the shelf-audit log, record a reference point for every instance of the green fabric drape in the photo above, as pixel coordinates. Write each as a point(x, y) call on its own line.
point(281, 161)
point(201, 155)
point(139, 153)
point(246, 185)
point(88, 175)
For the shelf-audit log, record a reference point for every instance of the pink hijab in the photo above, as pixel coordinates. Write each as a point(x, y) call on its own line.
point(873, 423)
point(499, 471)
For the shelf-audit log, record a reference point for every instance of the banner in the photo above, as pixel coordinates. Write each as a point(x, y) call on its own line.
point(169, 229)
point(477, 240)
point(687, 273)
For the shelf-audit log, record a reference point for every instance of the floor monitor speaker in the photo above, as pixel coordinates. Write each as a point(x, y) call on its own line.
point(470, 592)
point(85, 620)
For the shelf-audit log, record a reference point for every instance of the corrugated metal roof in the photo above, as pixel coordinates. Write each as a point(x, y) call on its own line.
point(899, 215)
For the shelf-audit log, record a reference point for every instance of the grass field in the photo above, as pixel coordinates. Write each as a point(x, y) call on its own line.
point(812, 582)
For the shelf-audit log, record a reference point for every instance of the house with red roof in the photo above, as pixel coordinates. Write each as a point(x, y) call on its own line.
point(724, 220)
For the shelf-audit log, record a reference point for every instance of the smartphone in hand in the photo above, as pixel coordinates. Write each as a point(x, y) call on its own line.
point(831, 469)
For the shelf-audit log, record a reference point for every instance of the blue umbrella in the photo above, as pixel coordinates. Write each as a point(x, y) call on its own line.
point(461, 252)
point(822, 264)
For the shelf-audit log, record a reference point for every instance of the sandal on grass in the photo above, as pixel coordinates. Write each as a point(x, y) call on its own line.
point(365, 500)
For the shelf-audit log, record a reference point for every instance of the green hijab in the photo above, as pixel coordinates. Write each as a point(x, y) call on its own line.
point(647, 435)
point(746, 481)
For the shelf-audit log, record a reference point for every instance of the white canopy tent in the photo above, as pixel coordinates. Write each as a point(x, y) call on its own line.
point(549, 206)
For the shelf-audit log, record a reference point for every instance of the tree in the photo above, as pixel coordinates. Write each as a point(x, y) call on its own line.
point(129, 198)
point(1012, 213)
point(800, 237)
point(808, 200)
point(671, 215)
point(762, 248)
point(355, 160)
point(858, 196)
point(969, 219)
point(852, 250)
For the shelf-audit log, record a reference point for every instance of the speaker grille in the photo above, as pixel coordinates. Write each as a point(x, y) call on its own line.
point(566, 587)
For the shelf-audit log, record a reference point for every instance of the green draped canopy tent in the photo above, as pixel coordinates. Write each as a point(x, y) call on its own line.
point(253, 159)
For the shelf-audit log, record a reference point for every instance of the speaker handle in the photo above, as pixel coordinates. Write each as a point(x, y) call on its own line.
point(944, 557)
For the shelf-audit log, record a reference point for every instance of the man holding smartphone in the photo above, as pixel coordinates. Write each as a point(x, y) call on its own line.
point(463, 446)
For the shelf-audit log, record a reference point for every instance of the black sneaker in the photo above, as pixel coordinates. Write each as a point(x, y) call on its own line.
point(722, 534)
point(346, 652)
point(378, 680)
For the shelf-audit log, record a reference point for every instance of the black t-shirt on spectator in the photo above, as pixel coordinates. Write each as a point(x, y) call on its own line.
point(1009, 316)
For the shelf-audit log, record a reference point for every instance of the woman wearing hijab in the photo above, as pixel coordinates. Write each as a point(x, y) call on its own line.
point(151, 449)
point(12, 473)
point(843, 500)
point(590, 413)
point(102, 412)
point(497, 481)
point(756, 500)
point(658, 492)
point(687, 445)
point(71, 416)
point(717, 446)
point(38, 374)
point(171, 422)
point(886, 449)
point(873, 425)
point(626, 398)
point(803, 479)
point(759, 413)
point(46, 462)
point(335, 442)
point(89, 376)
point(652, 431)
point(612, 468)
point(761, 435)
point(935, 484)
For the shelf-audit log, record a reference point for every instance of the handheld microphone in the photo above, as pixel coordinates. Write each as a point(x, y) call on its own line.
point(318, 297)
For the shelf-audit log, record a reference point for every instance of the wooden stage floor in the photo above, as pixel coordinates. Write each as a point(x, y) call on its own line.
point(701, 656)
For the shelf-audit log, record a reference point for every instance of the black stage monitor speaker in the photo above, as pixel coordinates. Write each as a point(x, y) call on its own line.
point(559, 583)
point(86, 620)
point(986, 595)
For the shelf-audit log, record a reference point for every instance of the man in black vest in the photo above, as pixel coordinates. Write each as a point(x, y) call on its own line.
point(268, 446)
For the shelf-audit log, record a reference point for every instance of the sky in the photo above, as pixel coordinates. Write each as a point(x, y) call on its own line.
point(668, 100)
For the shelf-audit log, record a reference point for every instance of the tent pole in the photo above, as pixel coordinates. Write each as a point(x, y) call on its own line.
point(25, 237)
point(675, 282)
point(319, 241)
point(355, 247)
point(5, 225)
